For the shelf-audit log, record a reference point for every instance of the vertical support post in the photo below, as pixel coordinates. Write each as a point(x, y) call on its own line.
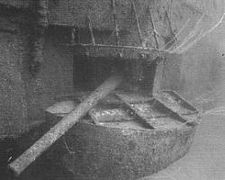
point(115, 22)
point(91, 30)
point(138, 24)
point(154, 29)
point(158, 75)
point(38, 41)
point(75, 36)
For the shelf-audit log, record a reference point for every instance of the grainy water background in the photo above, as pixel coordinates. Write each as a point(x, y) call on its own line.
point(200, 75)
point(196, 72)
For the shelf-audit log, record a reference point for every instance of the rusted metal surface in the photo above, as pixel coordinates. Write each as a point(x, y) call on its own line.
point(155, 114)
point(176, 102)
point(38, 39)
point(47, 140)
point(113, 153)
point(118, 17)
point(120, 147)
point(111, 51)
point(73, 12)
point(16, 3)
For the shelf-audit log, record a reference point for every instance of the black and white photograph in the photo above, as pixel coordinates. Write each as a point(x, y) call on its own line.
point(112, 89)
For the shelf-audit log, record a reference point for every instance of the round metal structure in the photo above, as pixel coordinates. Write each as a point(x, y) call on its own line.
point(128, 137)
